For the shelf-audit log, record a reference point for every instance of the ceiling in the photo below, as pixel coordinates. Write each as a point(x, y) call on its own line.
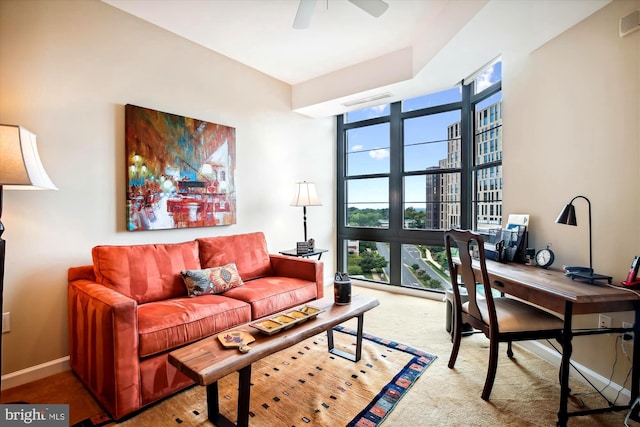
point(347, 57)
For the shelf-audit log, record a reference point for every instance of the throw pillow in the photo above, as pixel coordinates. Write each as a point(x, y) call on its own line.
point(210, 281)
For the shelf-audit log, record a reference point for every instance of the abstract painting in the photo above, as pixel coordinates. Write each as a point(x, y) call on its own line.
point(180, 171)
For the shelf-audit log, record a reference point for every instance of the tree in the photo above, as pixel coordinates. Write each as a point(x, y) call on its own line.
point(439, 255)
point(372, 260)
point(416, 217)
point(364, 246)
point(354, 270)
point(353, 265)
point(366, 217)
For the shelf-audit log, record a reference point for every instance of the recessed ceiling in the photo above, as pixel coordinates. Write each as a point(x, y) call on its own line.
point(346, 54)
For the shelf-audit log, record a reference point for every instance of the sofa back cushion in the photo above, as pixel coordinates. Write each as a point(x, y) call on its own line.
point(248, 251)
point(145, 272)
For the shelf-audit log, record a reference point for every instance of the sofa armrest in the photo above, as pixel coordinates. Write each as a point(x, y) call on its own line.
point(82, 272)
point(103, 342)
point(299, 268)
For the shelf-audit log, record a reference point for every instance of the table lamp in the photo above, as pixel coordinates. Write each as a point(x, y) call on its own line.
point(20, 169)
point(568, 217)
point(304, 194)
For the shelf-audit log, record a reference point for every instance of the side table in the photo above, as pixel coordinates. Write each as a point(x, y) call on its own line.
point(293, 252)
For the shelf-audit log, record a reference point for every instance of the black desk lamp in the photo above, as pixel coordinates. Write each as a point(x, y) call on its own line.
point(568, 217)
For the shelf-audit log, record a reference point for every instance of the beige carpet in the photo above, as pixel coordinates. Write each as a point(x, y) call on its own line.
point(525, 393)
point(302, 385)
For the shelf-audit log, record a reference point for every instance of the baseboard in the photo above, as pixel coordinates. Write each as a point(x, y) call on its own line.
point(553, 357)
point(34, 373)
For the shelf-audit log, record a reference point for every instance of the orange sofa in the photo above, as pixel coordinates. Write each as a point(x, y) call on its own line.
point(130, 308)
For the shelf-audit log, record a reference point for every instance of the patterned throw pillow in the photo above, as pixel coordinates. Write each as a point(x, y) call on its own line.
point(210, 281)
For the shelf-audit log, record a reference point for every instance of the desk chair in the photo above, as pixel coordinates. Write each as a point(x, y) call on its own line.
point(500, 319)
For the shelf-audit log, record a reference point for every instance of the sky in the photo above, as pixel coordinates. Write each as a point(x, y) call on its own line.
point(425, 144)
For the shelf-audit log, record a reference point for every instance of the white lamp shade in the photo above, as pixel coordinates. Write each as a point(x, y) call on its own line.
point(304, 194)
point(20, 165)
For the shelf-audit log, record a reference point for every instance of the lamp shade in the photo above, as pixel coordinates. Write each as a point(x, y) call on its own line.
point(568, 215)
point(304, 194)
point(20, 165)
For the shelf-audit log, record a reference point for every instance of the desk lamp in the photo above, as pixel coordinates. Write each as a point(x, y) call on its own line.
point(568, 217)
point(304, 194)
point(20, 169)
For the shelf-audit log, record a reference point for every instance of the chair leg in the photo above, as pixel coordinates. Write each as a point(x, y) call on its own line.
point(509, 350)
point(457, 337)
point(491, 371)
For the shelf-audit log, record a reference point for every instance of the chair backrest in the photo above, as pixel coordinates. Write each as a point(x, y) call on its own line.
point(468, 242)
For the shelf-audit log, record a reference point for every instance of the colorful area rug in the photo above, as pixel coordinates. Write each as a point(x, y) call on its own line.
point(304, 386)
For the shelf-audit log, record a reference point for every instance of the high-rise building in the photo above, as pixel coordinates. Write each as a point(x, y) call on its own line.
point(432, 218)
point(487, 181)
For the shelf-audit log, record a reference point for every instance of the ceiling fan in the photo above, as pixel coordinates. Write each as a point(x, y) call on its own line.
point(302, 20)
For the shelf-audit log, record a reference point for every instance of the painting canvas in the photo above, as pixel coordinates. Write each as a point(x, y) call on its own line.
point(180, 171)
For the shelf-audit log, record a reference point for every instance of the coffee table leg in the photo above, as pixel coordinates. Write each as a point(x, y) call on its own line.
point(344, 354)
point(213, 407)
point(244, 398)
point(330, 339)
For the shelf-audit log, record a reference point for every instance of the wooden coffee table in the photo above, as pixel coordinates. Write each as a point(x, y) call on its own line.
point(207, 361)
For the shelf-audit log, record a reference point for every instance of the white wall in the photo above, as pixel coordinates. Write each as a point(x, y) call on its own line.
point(67, 68)
point(572, 127)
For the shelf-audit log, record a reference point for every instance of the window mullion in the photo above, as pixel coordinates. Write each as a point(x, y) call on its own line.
point(396, 167)
point(467, 153)
point(341, 214)
point(395, 190)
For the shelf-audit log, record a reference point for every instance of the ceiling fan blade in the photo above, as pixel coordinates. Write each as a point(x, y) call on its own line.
point(304, 14)
point(374, 8)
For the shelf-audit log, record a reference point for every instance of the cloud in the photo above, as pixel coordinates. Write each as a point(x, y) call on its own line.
point(356, 147)
point(377, 111)
point(379, 154)
point(484, 80)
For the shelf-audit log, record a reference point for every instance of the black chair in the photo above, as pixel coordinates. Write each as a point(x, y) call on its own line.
point(501, 319)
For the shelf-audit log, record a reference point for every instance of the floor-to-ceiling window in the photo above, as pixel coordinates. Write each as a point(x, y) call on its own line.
point(410, 170)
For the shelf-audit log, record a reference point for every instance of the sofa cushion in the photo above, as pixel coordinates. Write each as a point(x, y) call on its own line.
point(269, 295)
point(211, 281)
point(145, 272)
point(248, 251)
point(166, 325)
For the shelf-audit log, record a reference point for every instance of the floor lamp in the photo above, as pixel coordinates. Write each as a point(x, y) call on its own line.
point(304, 194)
point(20, 169)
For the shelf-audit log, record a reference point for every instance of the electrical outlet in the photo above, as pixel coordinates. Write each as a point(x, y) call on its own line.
point(6, 322)
point(604, 321)
point(627, 335)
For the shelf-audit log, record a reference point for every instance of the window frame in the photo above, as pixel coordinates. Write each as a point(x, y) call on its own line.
point(396, 235)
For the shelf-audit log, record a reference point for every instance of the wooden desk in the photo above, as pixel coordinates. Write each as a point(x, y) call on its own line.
point(551, 289)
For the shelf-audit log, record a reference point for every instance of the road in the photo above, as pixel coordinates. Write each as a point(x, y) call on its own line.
point(410, 256)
